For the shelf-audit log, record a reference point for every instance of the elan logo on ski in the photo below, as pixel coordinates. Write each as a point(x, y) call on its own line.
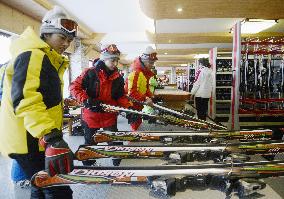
point(106, 173)
point(126, 149)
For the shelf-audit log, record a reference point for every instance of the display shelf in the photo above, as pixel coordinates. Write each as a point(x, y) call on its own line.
point(261, 82)
point(191, 78)
point(223, 86)
point(259, 115)
point(220, 57)
point(223, 101)
point(222, 115)
point(258, 124)
point(224, 73)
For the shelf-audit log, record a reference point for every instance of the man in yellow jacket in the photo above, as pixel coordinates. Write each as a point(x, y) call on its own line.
point(137, 85)
point(31, 111)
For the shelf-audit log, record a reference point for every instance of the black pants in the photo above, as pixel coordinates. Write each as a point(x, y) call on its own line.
point(32, 163)
point(201, 107)
point(90, 132)
point(89, 139)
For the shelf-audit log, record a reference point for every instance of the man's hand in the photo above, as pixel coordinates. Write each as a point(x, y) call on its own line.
point(132, 117)
point(93, 105)
point(58, 156)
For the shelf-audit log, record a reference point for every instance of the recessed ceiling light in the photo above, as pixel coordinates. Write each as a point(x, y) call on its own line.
point(179, 9)
point(165, 53)
point(170, 41)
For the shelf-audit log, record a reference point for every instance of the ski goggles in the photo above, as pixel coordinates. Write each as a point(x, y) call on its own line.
point(111, 49)
point(68, 25)
point(152, 57)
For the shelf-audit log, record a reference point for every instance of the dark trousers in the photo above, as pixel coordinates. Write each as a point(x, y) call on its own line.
point(201, 107)
point(89, 134)
point(32, 163)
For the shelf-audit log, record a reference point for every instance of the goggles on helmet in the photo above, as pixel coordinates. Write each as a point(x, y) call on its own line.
point(152, 57)
point(111, 49)
point(68, 25)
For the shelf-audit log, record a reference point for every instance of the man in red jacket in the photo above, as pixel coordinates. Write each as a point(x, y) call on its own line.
point(101, 83)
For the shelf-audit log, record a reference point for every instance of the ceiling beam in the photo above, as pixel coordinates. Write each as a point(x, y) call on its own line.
point(193, 9)
point(191, 38)
point(196, 38)
point(190, 51)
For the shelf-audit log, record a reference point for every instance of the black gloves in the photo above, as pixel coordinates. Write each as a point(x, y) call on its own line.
point(58, 156)
point(132, 117)
point(93, 105)
point(157, 100)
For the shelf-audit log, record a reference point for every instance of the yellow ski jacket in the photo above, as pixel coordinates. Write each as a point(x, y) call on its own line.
point(32, 94)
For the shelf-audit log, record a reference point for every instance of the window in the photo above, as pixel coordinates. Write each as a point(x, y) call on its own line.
point(5, 42)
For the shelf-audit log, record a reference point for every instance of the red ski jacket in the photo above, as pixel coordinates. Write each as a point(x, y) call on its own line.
point(95, 82)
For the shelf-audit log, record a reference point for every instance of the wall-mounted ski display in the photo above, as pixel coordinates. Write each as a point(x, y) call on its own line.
point(261, 84)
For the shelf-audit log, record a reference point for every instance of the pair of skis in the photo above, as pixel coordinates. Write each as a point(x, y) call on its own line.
point(241, 178)
point(179, 154)
point(189, 137)
point(162, 111)
point(165, 118)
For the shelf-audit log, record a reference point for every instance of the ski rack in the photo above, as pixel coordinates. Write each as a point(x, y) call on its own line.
point(262, 95)
point(170, 179)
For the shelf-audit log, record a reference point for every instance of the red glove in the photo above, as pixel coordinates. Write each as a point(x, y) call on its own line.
point(58, 156)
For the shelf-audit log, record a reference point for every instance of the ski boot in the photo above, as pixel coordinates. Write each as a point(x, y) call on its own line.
point(89, 163)
point(116, 161)
point(236, 158)
point(249, 186)
point(168, 186)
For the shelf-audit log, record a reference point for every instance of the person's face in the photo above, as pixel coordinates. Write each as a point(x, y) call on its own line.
point(111, 63)
point(149, 64)
point(58, 42)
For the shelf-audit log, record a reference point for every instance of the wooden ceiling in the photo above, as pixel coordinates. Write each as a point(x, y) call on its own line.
point(196, 38)
point(194, 9)
point(176, 33)
point(165, 12)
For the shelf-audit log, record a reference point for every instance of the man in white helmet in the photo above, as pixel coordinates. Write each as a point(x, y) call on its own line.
point(31, 113)
point(138, 83)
